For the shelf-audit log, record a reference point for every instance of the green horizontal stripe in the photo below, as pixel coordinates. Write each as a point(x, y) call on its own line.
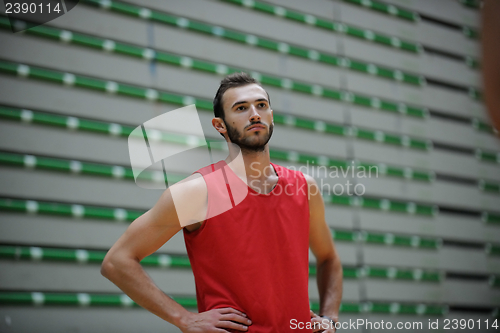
point(120, 300)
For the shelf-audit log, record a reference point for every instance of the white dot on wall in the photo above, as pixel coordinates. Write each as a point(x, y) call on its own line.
point(251, 39)
point(66, 36)
point(186, 62)
point(182, 22)
point(77, 210)
point(126, 301)
point(82, 256)
point(344, 62)
point(218, 31)
point(26, 115)
point(111, 87)
point(389, 238)
point(279, 11)
point(31, 206)
point(317, 90)
point(320, 126)
point(340, 27)
point(188, 100)
point(421, 309)
point(115, 129)
point(375, 103)
point(323, 160)
point(394, 308)
point(313, 55)
point(293, 156)
point(402, 108)
point(256, 75)
point(283, 47)
point(83, 299)
point(221, 69)
point(23, 70)
point(145, 13)
point(120, 214)
point(148, 54)
point(37, 298)
point(309, 19)
point(105, 4)
point(248, 3)
point(393, 10)
point(287, 83)
point(385, 204)
point(290, 120)
point(118, 171)
point(391, 272)
point(72, 123)
point(396, 42)
point(372, 69)
point(36, 253)
point(29, 161)
point(108, 45)
point(154, 135)
point(408, 173)
point(75, 166)
point(417, 274)
point(411, 207)
point(69, 79)
point(192, 141)
point(151, 94)
point(164, 260)
point(398, 75)
point(368, 34)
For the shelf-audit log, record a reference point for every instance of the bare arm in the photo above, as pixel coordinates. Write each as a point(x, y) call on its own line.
point(329, 268)
point(143, 237)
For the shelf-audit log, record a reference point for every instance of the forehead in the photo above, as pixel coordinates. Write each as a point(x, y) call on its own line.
point(248, 93)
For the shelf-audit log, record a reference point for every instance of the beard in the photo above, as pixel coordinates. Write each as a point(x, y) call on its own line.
point(252, 143)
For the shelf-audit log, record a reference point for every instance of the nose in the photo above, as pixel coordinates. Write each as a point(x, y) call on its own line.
point(254, 115)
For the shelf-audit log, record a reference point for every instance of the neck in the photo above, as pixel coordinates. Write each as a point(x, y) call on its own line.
point(257, 163)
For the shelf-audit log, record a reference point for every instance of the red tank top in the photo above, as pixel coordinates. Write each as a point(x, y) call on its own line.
point(254, 257)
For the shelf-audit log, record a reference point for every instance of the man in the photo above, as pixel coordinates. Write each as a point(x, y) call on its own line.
point(250, 262)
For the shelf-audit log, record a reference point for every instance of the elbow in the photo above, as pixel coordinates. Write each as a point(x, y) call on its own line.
point(107, 268)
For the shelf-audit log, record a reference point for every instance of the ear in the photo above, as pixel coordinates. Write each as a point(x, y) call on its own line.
point(219, 125)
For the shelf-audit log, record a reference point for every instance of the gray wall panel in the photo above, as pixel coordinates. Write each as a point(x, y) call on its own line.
point(449, 291)
point(53, 276)
point(49, 230)
point(446, 226)
point(54, 186)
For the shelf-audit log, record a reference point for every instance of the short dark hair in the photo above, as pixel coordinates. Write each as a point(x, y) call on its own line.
point(231, 81)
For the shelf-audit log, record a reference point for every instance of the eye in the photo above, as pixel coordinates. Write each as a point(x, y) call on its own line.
point(240, 108)
point(262, 105)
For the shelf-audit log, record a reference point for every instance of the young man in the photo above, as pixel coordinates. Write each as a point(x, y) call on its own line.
point(250, 261)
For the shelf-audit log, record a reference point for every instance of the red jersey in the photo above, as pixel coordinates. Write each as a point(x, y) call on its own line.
point(254, 257)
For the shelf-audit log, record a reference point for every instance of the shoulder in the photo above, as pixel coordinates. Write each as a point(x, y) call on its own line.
point(189, 197)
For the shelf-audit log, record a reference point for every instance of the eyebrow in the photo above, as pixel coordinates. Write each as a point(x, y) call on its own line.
point(244, 102)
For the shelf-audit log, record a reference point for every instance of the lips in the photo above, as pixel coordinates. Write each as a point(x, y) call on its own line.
point(256, 127)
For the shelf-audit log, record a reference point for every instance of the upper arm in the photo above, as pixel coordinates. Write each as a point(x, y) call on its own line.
point(320, 236)
point(167, 217)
